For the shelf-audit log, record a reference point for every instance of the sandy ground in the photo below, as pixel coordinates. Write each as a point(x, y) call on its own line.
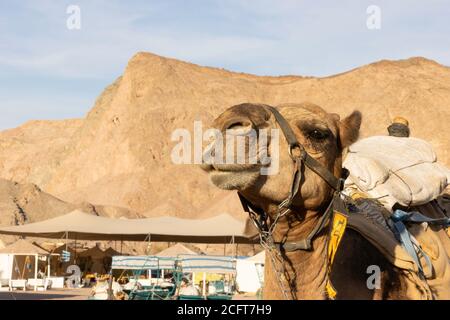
point(68, 294)
point(54, 294)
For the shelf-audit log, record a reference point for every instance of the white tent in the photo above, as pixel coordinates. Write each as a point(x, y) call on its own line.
point(249, 277)
point(31, 253)
point(259, 258)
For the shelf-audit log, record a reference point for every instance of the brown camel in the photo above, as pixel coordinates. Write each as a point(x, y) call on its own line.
point(324, 136)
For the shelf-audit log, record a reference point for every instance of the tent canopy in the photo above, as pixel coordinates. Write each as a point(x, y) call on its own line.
point(23, 247)
point(95, 253)
point(189, 263)
point(142, 263)
point(259, 258)
point(83, 226)
point(209, 264)
point(174, 251)
point(110, 252)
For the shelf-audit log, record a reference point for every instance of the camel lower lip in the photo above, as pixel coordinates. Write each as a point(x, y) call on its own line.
point(233, 170)
point(219, 168)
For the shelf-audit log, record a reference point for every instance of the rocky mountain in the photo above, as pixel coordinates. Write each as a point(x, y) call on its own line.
point(119, 154)
point(27, 203)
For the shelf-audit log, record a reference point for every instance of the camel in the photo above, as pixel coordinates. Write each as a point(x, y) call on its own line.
point(325, 137)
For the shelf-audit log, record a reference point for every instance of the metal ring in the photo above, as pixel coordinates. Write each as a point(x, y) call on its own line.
point(297, 145)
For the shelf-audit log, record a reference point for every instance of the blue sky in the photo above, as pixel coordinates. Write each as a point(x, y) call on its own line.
point(50, 72)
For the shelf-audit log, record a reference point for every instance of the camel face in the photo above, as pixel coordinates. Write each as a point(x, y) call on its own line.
point(323, 136)
point(239, 122)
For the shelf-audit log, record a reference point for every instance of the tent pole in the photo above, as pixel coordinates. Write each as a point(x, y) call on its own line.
point(35, 271)
point(13, 264)
point(204, 285)
point(232, 242)
point(24, 266)
point(149, 244)
point(48, 265)
point(75, 254)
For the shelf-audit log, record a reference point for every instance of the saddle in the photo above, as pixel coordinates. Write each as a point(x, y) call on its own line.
point(420, 251)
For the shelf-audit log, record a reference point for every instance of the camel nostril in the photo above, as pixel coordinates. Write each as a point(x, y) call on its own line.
point(239, 124)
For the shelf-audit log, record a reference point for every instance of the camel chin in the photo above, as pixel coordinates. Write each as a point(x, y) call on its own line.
point(234, 180)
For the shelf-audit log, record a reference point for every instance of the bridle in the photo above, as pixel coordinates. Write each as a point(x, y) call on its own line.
point(299, 155)
point(300, 158)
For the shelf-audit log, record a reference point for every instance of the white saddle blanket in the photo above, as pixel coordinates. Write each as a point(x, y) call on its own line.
point(396, 170)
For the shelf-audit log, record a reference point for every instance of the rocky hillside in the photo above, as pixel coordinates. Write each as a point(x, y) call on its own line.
point(119, 154)
point(27, 203)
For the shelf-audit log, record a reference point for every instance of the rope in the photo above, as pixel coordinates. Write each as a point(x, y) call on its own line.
point(267, 242)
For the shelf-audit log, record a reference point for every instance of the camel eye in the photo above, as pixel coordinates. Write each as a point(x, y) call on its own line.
point(318, 134)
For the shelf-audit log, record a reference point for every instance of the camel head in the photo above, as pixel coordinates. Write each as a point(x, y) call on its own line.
point(323, 135)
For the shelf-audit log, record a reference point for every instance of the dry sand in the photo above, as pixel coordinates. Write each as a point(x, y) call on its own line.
point(54, 294)
point(71, 294)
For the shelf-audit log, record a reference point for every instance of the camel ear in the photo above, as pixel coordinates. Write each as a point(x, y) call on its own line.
point(349, 129)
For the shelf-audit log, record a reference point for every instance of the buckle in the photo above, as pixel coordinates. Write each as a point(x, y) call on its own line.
point(399, 215)
point(341, 183)
point(285, 204)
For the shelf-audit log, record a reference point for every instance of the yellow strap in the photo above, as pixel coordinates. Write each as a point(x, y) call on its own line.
point(337, 232)
point(331, 291)
point(357, 194)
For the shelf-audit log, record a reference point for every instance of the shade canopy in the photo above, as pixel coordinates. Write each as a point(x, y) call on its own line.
point(174, 251)
point(188, 263)
point(95, 253)
point(23, 247)
point(83, 226)
point(110, 252)
point(208, 264)
point(142, 263)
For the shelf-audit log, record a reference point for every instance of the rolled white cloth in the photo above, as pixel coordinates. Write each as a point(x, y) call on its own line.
point(396, 170)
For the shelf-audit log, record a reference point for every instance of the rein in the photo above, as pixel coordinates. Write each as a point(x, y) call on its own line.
point(300, 157)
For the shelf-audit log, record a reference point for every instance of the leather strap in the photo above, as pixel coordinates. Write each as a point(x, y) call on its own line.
point(259, 218)
point(310, 162)
point(306, 244)
point(417, 217)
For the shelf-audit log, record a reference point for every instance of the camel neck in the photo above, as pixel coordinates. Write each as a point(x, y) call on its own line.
point(306, 270)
